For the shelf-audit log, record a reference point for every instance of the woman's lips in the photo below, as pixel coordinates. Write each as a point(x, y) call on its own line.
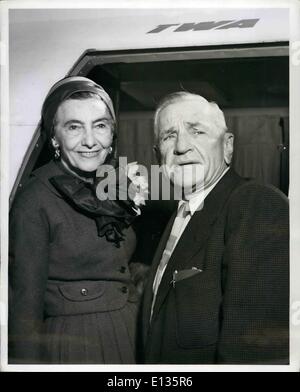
point(88, 154)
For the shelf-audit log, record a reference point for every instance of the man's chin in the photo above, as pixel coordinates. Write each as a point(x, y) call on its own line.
point(187, 188)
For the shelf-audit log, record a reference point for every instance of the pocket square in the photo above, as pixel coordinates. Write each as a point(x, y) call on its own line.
point(184, 274)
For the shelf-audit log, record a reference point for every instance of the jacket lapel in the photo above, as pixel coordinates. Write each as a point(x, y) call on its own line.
point(148, 293)
point(196, 234)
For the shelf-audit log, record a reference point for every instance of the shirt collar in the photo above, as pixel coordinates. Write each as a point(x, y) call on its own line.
point(197, 200)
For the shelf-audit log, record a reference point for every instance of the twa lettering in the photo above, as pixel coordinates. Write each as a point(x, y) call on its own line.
point(214, 25)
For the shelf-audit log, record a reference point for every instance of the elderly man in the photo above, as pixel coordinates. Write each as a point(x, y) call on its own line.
point(218, 289)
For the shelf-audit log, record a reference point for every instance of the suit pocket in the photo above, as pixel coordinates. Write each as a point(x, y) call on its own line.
point(81, 297)
point(197, 302)
point(85, 291)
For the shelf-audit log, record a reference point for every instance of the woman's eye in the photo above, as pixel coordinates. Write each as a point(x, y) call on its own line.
point(74, 127)
point(100, 126)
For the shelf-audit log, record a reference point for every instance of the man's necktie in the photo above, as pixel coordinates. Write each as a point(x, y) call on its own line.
point(182, 213)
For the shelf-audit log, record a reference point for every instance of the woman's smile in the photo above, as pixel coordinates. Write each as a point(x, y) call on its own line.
point(89, 154)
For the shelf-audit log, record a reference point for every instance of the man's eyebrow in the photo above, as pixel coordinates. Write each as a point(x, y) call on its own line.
point(195, 123)
point(167, 131)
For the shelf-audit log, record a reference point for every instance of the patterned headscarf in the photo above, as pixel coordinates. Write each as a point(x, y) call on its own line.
point(61, 91)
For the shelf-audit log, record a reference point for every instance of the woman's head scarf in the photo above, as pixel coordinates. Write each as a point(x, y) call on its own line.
point(63, 90)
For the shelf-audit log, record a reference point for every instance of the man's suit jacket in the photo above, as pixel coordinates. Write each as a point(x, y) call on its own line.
point(237, 309)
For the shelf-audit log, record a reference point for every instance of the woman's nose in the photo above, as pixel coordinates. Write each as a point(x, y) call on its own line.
point(89, 139)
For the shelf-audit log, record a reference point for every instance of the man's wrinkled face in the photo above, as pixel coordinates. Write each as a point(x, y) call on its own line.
point(192, 147)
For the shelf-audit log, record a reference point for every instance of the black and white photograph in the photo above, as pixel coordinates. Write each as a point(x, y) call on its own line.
point(149, 190)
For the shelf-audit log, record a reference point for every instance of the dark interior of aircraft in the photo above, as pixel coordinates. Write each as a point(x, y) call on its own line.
point(232, 83)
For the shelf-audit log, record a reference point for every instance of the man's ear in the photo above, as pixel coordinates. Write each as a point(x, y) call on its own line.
point(228, 147)
point(157, 152)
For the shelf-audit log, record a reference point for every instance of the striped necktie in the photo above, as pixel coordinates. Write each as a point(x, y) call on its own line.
point(182, 213)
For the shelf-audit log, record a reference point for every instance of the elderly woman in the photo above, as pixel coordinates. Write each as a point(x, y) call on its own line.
point(71, 299)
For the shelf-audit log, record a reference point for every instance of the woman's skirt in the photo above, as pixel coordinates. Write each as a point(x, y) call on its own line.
point(92, 338)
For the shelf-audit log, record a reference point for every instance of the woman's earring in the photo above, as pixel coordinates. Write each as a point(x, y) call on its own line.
point(110, 149)
point(56, 153)
point(56, 148)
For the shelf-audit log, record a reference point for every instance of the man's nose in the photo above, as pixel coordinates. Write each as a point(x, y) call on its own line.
point(182, 145)
point(89, 139)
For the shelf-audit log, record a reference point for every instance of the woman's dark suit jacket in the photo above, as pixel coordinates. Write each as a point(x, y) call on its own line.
point(237, 309)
